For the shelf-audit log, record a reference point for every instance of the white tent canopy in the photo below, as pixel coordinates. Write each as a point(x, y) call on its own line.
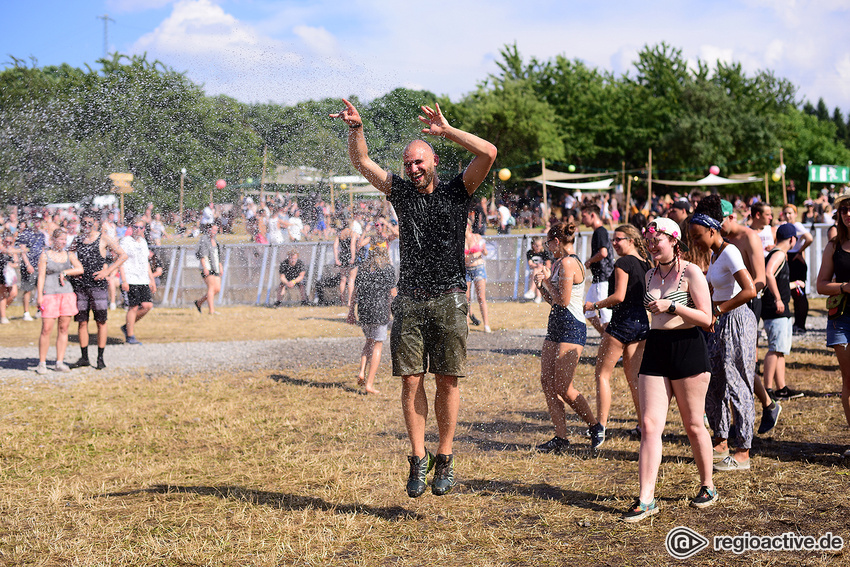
point(550, 175)
point(707, 181)
point(600, 185)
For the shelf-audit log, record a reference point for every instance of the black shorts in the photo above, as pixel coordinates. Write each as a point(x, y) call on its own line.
point(675, 354)
point(94, 299)
point(28, 280)
point(139, 294)
point(563, 327)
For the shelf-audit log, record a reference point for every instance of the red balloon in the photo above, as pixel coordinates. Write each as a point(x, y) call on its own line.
point(714, 170)
point(220, 184)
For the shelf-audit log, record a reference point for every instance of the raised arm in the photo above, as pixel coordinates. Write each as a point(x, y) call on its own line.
point(485, 152)
point(358, 151)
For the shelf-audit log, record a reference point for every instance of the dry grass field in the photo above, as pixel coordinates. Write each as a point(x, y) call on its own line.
point(285, 467)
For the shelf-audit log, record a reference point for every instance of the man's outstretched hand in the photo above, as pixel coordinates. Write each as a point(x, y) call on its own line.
point(349, 115)
point(434, 119)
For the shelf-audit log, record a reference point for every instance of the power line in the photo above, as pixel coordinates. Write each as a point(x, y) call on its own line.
point(106, 19)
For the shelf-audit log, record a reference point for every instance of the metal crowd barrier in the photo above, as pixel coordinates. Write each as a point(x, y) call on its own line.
point(251, 270)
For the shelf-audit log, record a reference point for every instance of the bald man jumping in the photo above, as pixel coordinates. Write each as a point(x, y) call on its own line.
point(429, 315)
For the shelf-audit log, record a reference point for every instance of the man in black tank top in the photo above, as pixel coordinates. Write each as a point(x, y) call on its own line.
point(91, 247)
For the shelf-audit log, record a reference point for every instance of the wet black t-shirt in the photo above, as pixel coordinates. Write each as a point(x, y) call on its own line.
point(431, 235)
point(373, 295)
point(602, 269)
point(291, 271)
point(635, 269)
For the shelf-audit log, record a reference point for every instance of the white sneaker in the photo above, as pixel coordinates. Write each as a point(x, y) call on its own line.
point(538, 299)
point(487, 329)
point(112, 306)
point(41, 368)
point(4, 321)
point(27, 316)
point(529, 294)
point(62, 367)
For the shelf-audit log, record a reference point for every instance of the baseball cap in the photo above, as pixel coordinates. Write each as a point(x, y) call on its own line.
point(785, 231)
point(669, 227)
point(726, 207)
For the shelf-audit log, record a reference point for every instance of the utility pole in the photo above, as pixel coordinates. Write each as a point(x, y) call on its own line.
point(106, 19)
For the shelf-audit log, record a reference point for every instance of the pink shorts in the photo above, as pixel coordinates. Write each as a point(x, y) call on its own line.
point(56, 305)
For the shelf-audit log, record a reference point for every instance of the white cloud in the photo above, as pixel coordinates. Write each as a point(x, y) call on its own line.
point(290, 51)
point(317, 39)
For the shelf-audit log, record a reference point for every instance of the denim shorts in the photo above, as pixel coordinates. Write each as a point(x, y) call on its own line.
point(629, 327)
point(475, 273)
point(565, 328)
point(778, 334)
point(838, 331)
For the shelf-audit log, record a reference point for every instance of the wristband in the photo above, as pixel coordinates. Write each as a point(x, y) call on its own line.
point(355, 126)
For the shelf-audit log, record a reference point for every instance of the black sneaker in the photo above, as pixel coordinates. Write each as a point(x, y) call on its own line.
point(474, 319)
point(124, 330)
point(84, 361)
point(635, 433)
point(769, 417)
point(798, 331)
point(419, 469)
point(597, 435)
point(787, 393)
point(705, 498)
point(100, 364)
point(554, 445)
point(640, 511)
point(444, 475)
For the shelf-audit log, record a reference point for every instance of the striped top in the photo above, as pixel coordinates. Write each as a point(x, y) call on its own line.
point(677, 295)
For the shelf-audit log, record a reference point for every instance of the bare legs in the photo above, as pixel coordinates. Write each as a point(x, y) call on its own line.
point(213, 287)
point(655, 394)
point(8, 293)
point(133, 315)
point(842, 352)
point(414, 403)
point(61, 338)
point(610, 350)
point(557, 367)
point(370, 357)
point(481, 293)
point(774, 370)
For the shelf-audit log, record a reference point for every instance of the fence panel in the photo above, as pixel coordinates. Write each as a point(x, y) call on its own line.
point(251, 270)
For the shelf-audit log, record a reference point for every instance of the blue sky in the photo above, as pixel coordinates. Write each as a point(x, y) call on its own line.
point(286, 50)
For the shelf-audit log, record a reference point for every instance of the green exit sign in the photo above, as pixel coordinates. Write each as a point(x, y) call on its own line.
point(829, 174)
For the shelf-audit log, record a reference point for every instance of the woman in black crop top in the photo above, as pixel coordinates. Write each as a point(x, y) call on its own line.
point(834, 280)
point(626, 333)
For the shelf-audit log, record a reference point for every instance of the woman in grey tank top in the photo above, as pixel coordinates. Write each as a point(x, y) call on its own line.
point(56, 298)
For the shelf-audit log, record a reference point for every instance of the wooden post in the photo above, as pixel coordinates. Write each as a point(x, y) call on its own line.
point(182, 176)
point(649, 181)
point(782, 173)
point(263, 174)
point(766, 190)
point(628, 197)
point(809, 182)
point(543, 165)
point(626, 207)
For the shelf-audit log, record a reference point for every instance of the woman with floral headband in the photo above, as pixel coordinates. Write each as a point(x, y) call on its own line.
point(675, 363)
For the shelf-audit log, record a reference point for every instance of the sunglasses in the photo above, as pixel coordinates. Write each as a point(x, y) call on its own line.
point(137, 227)
point(617, 239)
